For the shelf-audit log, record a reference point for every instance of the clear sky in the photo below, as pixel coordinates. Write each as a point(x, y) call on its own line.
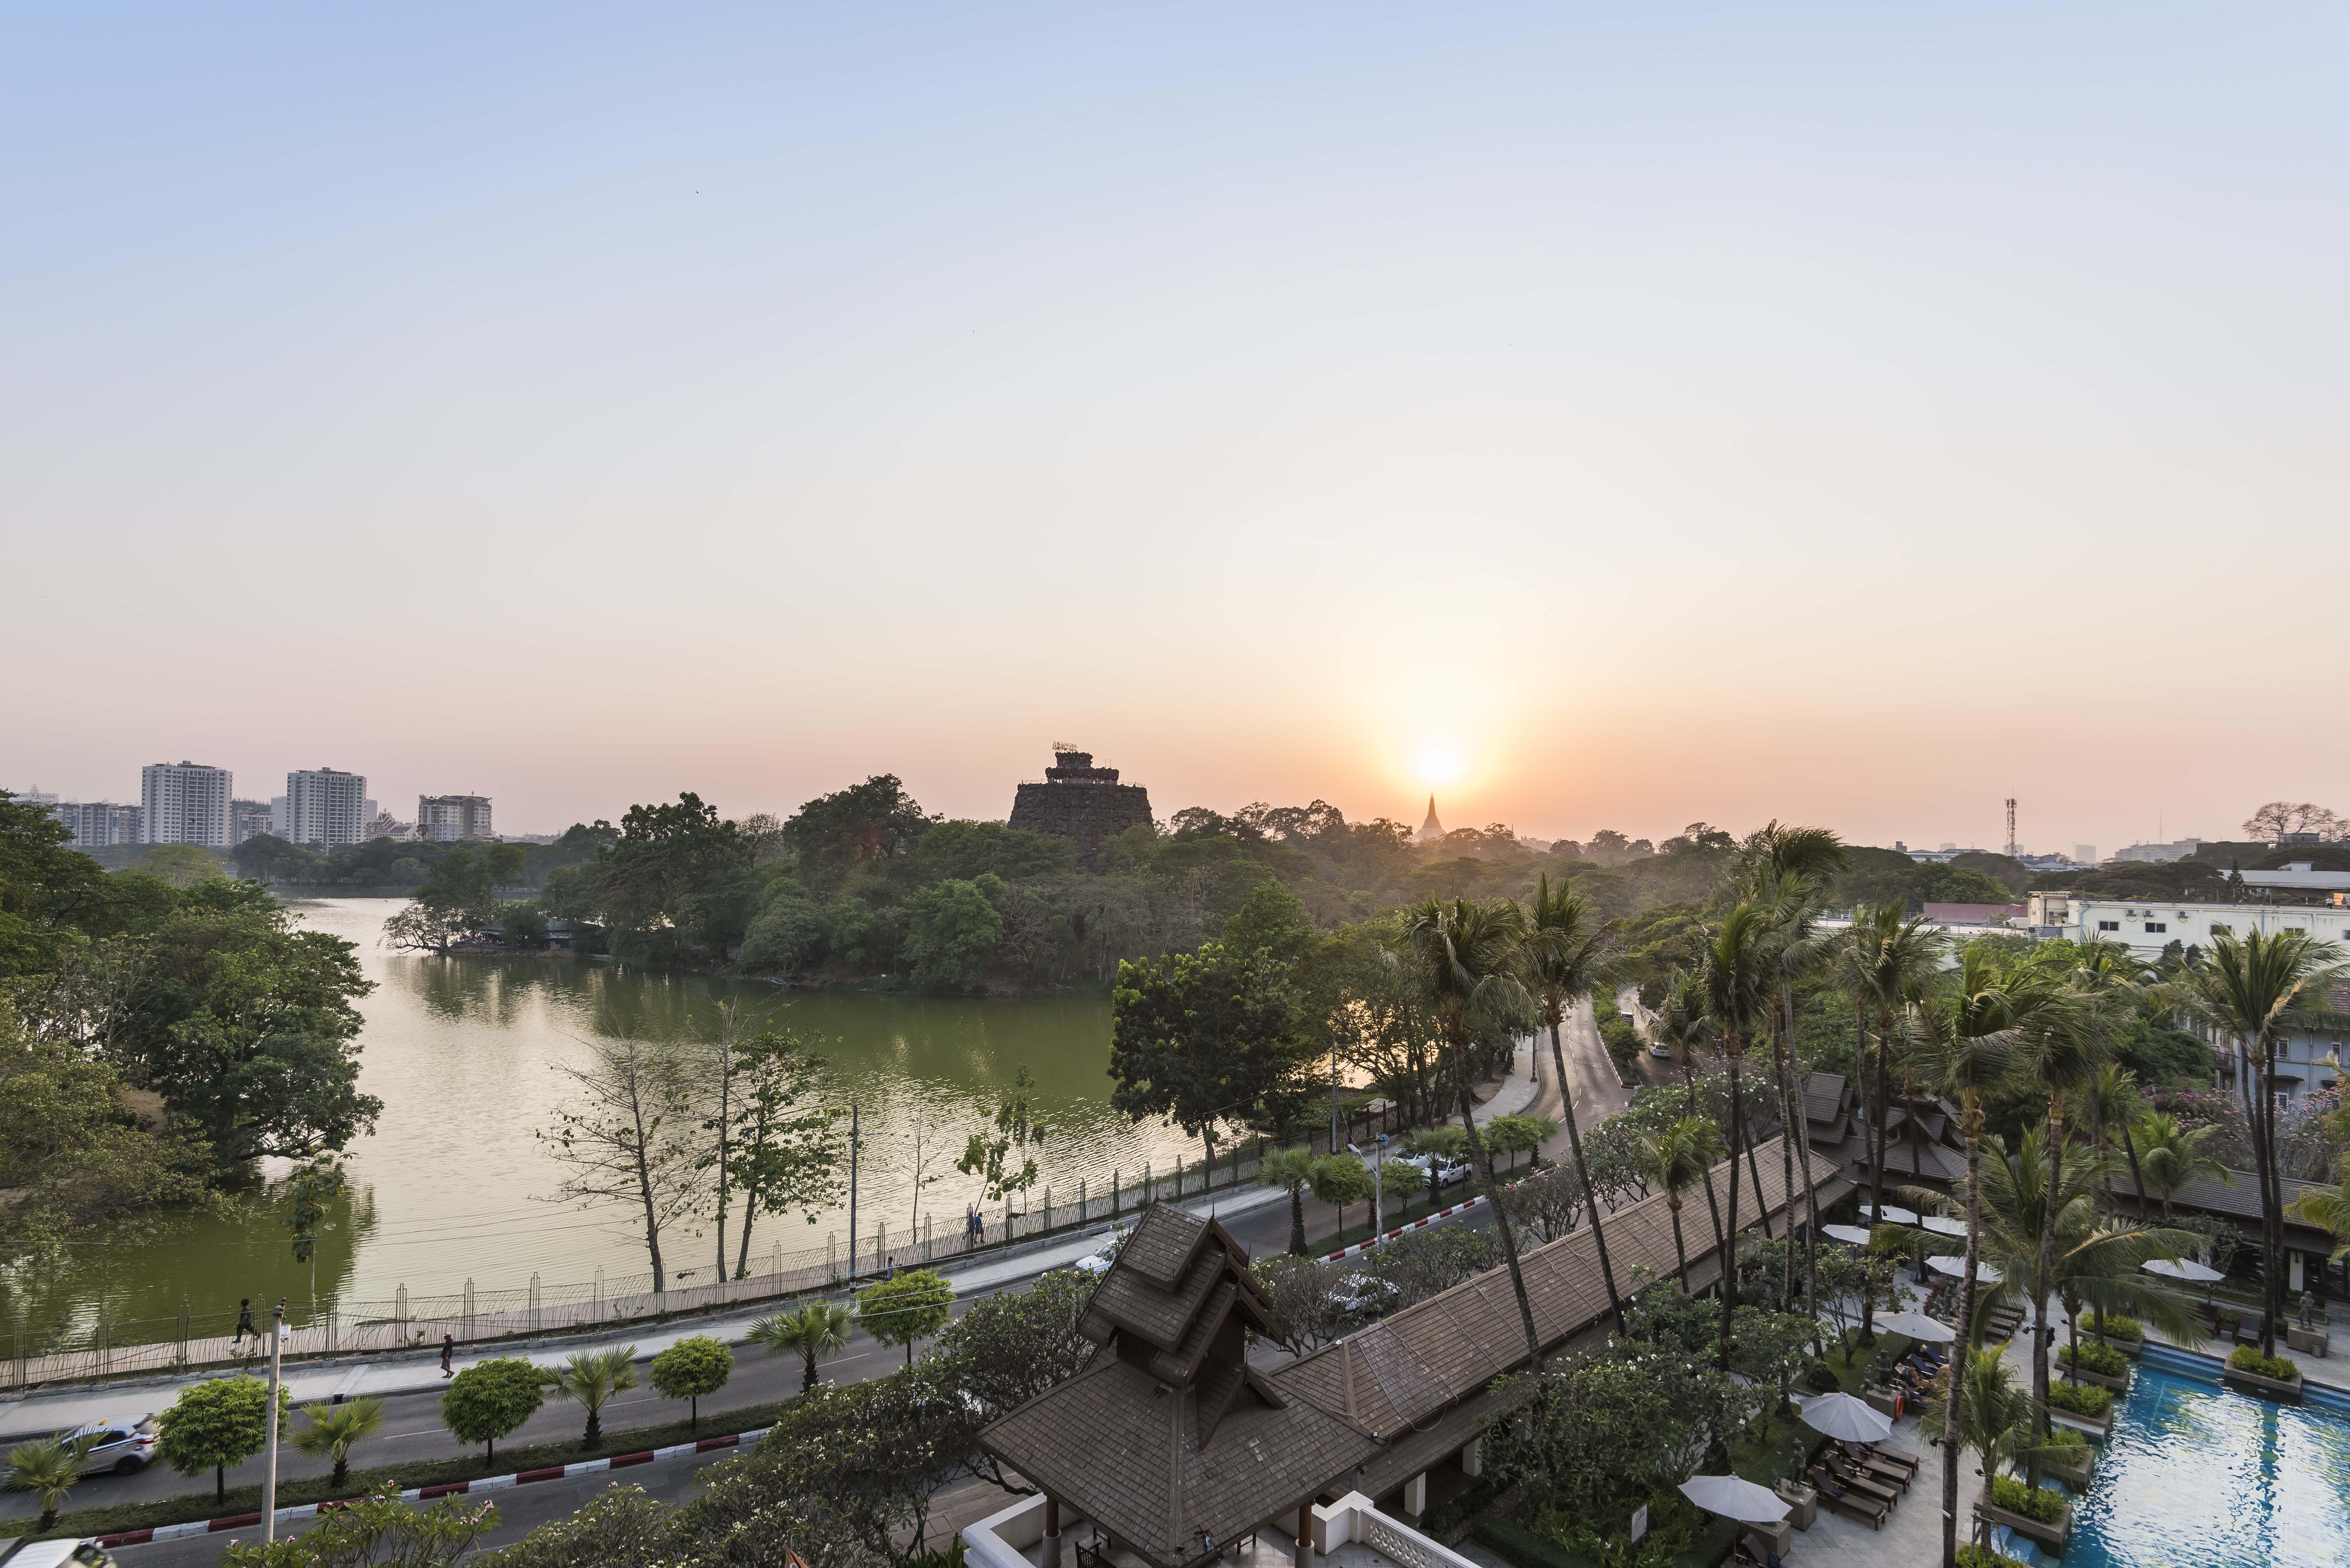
point(1849, 413)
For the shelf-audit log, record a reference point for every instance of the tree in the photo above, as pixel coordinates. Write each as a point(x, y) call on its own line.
point(1988, 1413)
point(215, 1424)
point(952, 930)
point(812, 1330)
point(786, 1150)
point(619, 1525)
point(2279, 820)
point(590, 1379)
point(834, 834)
point(381, 1528)
point(48, 1467)
point(1441, 1146)
point(1291, 1170)
point(1677, 1159)
point(626, 1135)
point(1885, 961)
point(2328, 1208)
point(335, 1429)
point(1550, 1204)
point(1008, 1349)
point(669, 879)
point(1467, 957)
point(1206, 1037)
point(1739, 981)
point(180, 865)
point(693, 1366)
point(309, 1194)
point(906, 1307)
point(1517, 1135)
point(2251, 988)
point(2170, 1154)
point(491, 1399)
point(424, 927)
point(1017, 1131)
point(1339, 1181)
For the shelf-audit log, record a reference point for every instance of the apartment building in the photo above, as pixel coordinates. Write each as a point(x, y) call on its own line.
point(446, 818)
point(100, 824)
point(249, 819)
point(185, 802)
point(326, 807)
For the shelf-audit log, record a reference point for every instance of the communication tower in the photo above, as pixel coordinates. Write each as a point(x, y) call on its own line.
point(2011, 827)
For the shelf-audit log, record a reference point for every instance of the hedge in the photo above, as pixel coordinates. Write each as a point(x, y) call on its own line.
point(2247, 1358)
point(2120, 1327)
point(2090, 1356)
point(2082, 1399)
point(1971, 1555)
point(2043, 1503)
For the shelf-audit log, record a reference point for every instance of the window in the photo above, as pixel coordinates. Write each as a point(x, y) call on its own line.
point(2109, 925)
point(2155, 928)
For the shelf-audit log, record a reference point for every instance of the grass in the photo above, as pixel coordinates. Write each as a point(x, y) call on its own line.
point(292, 1492)
point(1759, 1456)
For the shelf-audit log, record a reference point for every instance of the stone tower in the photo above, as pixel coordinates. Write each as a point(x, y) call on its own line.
point(1431, 830)
point(1081, 803)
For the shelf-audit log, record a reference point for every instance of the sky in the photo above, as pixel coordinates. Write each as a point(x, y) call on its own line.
point(1611, 415)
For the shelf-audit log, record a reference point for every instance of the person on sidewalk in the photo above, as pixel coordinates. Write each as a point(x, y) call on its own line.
point(448, 1353)
point(243, 1324)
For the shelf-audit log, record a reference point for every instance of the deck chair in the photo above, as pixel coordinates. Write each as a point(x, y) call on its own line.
point(1834, 1493)
point(1752, 1549)
point(1859, 1480)
point(1892, 1455)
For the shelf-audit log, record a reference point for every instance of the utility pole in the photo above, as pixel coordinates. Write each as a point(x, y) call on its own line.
point(2011, 827)
point(1333, 1097)
point(856, 1141)
point(269, 1477)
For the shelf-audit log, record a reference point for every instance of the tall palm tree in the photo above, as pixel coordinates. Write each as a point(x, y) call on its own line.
point(1985, 1411)
point(1676, 1159)
point(1466, 955)
point(1965, 1047)
point(2250, 988)
point(2114, 1107)
point(590, 1378)
point(335, 1429)
point(2328, 1208)
point(1885, 963)
point(48, 1467)
point(1738, 979)
point(1291, 1170)
point(1566, 956)
point(2171, 1156)
point(1682, 1028)
point(816, 1329)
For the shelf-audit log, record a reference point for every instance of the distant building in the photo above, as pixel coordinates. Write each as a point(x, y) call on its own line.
point(1970, 915)
point(249, 819)
point(2296, 876)
point(326, 806)
point(35, 796)
point(100, 825)
point(383, 824)
point(2084, 855)
point(445, 818)
point(1081, 803)
point(2160, 853)
point(185, 802)
point(279, 825)
point(1431, 831)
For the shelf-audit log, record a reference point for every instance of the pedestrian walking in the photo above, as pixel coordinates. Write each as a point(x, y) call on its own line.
point(244, 1322)
point(448, 1353)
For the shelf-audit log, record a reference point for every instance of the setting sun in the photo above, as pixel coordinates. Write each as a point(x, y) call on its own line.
point(1439, 764)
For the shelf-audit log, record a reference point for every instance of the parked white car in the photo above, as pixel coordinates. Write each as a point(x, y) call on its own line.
point(1449, 1172)
point(1099, 1260)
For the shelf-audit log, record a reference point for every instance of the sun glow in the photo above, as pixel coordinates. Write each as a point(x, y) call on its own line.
point(1437, 765)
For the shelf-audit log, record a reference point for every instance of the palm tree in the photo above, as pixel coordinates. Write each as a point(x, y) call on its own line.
point(1443, 1146)
point(1292, 1169)
point(1738, 978)
point(1985, 1411)
point(1682, 1028)
point(48, 1468)
point(1885, 962)
point(1465, 955)
point(1566, 957)
point(590, 1378)
point(335, 1429)
point(1677, 1159)
point(816, 1329)
point(2171, 1156)
point(2328, 1208)
point(2115, 1103)
point(2250, 989)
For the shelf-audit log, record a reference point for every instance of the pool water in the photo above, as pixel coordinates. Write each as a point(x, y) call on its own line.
point(2198, 1476)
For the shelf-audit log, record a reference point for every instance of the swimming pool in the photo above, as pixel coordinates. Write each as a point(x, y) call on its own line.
point(2199, 1476)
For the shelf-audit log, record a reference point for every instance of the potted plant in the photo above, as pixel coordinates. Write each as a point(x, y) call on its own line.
point(2089, 1362)
point(2125, 1334)
point(2270, 1375)
point(2084, 1404)
point(2038, 1513)
point(2069, 1457)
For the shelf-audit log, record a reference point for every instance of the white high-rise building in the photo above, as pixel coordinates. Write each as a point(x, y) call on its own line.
point(99, 824)
point(185, 802)
point(326, 806)
point(279, 823)
point(449, 817)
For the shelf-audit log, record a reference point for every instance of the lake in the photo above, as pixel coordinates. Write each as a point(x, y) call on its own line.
point(454, 1184)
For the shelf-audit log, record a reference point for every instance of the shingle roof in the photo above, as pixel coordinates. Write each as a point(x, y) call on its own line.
point(2239, 1201)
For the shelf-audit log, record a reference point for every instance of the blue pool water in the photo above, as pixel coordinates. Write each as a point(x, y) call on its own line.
point(2198, 1476)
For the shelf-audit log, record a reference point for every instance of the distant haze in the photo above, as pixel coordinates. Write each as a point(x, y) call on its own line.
point(1850, 414)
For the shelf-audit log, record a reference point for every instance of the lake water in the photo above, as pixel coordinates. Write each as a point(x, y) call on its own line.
point(453, 1185)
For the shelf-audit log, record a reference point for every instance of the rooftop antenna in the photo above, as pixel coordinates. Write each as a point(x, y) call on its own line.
point(2011, 827)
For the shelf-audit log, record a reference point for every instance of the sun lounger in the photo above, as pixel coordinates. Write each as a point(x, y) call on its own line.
point(1892, 1455)
point(1868, 1466)
point(1851, 1477)
point(1843, 1499)
point(1752, 1549)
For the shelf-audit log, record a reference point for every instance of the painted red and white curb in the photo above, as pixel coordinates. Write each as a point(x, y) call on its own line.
point(1361, 1247)
point(427, 1493)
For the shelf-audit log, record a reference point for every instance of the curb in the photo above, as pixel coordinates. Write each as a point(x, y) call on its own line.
point(427, 1493)
point(1361, 1247)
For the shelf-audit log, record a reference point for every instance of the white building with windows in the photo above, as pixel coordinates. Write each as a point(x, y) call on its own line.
point(326, 806)
point(446, 818)
point(99, 824)
point(185, 802)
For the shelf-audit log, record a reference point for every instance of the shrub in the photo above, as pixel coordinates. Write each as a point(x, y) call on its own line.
point(1974, 1556)
point(2082, 1399)
point(1821, 1378)
point(2102, 1359)
point(2045, 1504)
point(693, 1366)
point(2120, 1327)
point(1520, 1547)
point(2247, 1358)
point(490, 1399)
point(217, 1422)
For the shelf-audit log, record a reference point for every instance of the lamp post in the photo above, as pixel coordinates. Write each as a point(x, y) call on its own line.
point(269, 1477)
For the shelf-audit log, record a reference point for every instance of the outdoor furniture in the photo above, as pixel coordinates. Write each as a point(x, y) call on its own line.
point(1803, 1502)
point(1851, 1478)
point(1761, 1551)
point(1838, 1496)
point(2248, 1330)
point(1908, 1460)
point(1877, 1472)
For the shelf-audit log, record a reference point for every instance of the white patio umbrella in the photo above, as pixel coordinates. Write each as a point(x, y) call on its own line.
point(1943, 1225)
point(1917, 1326)
point(1890, 1215)
point(1957, 1269)
point(1850, 1420)
point(2186, 1269)
point(1734, 1497)
point(1851, 1234)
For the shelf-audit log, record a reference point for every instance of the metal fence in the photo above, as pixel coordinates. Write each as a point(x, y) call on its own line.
point(192, 1340)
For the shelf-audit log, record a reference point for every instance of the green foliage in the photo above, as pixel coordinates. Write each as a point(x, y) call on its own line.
point(1973, 1554)
point(2045, 1504)
point(1821, 1378)
point(217, 1422)
point(2159, 1055)
point(2247, 1358)
point(2082, 1399)
point(492, 1399)
point(377, 1529)
point(1206, 1037)
point(309, 1192)
point(908, 1306)
point(591, 1378)
point(1017, 1132)
point(333, 1430)
point(952, 931)
point(1520, 1547)
point(2090, 1356)
point(1008, 1349)
point(812, 1329)
point(693, 1366)
point(2118, 1326)
point(621, 1525)
point(48, 1467)
point(180, 865)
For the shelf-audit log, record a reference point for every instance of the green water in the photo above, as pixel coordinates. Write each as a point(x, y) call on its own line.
point(453, 1185)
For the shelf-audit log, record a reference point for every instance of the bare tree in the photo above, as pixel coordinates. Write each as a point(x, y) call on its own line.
point(628, 1134)
point(2274, 822)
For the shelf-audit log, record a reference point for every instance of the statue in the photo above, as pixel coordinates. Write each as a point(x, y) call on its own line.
point(2308, 1311)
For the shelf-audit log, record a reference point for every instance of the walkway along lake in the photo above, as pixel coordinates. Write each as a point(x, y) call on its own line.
point(454, 1186)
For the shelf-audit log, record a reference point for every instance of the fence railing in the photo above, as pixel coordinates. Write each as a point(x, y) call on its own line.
point(192, 1341)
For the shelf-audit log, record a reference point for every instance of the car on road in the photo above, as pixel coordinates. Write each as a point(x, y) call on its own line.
point(1448, 1171)
point(84, 1553)
point(124, 1445)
